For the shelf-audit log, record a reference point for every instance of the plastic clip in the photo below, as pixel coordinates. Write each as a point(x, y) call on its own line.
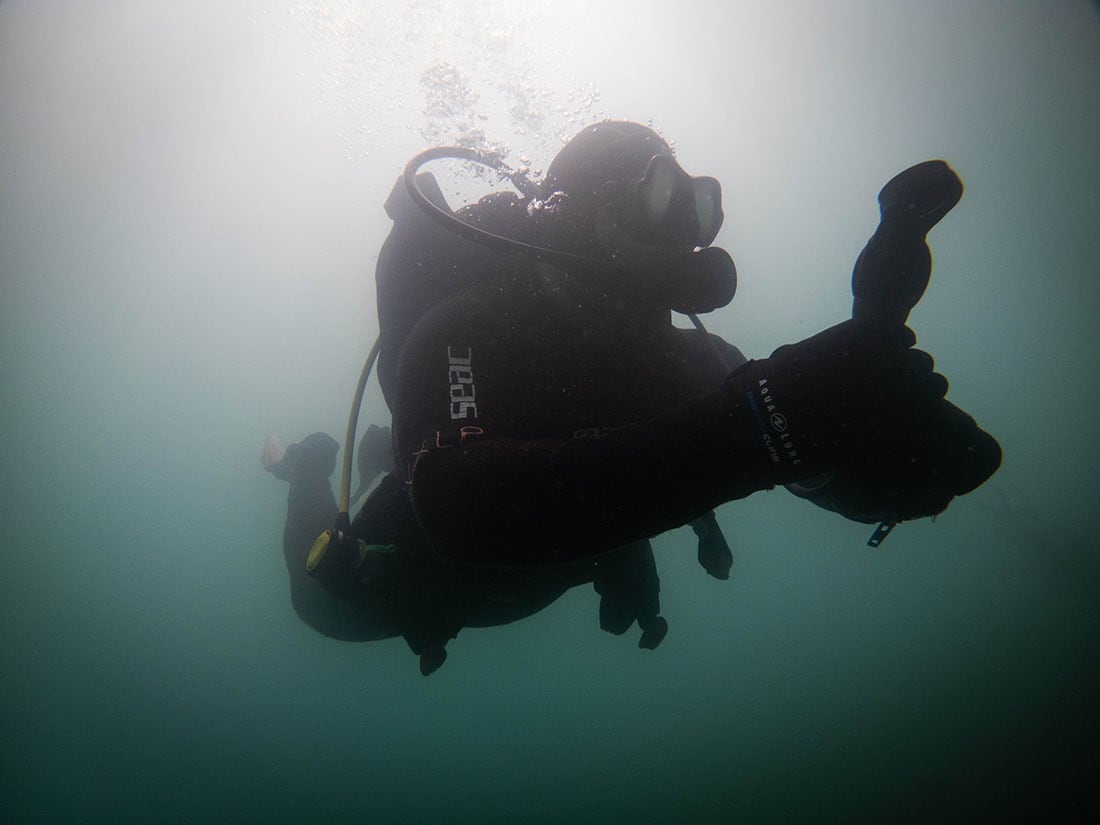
point(880, 534)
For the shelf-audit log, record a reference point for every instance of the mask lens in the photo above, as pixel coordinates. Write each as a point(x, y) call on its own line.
point(679, 209)
point(656, 190)
point(708, 209)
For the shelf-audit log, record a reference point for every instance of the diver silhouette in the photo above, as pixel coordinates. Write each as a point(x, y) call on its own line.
point(549, 419)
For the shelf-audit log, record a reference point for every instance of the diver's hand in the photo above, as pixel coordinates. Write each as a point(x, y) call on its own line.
point(936, 456)
point(833, 399)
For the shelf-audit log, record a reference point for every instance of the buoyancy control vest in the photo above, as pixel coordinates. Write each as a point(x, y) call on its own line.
point(421, 264)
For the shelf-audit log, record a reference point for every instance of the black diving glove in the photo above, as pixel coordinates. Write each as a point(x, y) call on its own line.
point(834, 399)
point(933, 458)
point(314, 455)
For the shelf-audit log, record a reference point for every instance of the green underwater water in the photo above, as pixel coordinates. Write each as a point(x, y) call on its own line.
point(188, 225)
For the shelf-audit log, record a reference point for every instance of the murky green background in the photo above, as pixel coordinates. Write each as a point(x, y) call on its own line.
point(190, 206)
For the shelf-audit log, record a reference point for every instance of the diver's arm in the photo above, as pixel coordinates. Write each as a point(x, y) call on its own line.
point(510, 501)
point(486, 491)
point(889, 278)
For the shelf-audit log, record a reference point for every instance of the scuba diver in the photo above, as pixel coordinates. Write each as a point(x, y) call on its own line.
point(549, 419)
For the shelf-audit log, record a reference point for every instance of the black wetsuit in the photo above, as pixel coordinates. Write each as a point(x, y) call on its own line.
point(543, 416)
point(539, 371)
point(537, 422)
point(417, 595)
point(547, 424)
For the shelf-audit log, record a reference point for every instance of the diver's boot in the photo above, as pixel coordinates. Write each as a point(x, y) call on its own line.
point(428, 645)
point(714, 555)
point(432, 658)
point(629, 589)
point(654, 630)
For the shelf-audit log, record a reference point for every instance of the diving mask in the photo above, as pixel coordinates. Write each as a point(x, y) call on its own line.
point(675, 209)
